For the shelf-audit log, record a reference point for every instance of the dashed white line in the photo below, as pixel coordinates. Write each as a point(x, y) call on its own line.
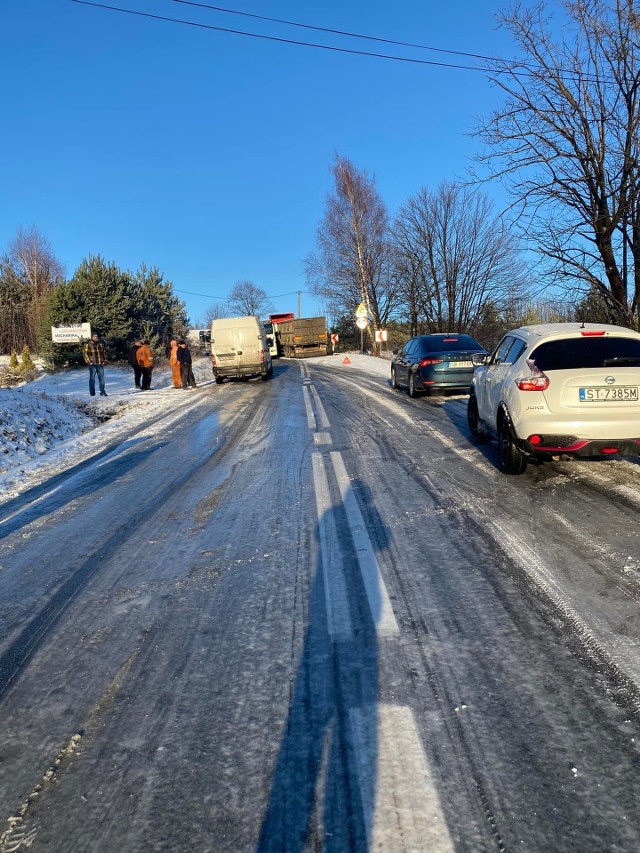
point(377, 595)
point(311, 418)
point(400, 802)
point(324, 420)
point(335, 587)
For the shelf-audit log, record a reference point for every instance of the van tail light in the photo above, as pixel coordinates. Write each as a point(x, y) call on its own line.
point(213, 360)
point(427, 361)
point(261, 356)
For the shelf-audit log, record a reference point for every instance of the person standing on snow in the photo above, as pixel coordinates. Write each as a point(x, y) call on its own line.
point(175, 364)
point(183, 355)
point(95, 355)
point(133, 361)
point(144, 357)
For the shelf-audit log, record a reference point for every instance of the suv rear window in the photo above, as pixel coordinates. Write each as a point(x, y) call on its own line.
point(581, 353)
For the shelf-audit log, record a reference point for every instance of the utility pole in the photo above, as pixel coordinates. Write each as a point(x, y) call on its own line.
point(299, 303)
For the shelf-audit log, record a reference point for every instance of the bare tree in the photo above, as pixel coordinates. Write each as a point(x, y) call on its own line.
point(215, 311)
point(566, 142)
point(28, 273)
point(454, 256)
point(351, 263)
point(246, 299)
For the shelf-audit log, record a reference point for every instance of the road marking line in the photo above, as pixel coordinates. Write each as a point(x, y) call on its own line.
point(400, 802)
point(311, 418)
point(322, 438)
point(335, 587)
point(324, 420)
point(377, 595)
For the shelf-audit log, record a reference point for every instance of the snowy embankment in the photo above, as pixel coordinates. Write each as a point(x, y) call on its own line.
point(52, 423)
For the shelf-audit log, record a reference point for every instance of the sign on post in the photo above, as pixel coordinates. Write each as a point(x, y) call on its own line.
point(335, 337)
point(361, 311)
point(70, 333)
point(362, 322)
point(381, 336)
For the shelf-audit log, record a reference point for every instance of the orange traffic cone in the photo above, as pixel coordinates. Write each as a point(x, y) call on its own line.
point(346, 360)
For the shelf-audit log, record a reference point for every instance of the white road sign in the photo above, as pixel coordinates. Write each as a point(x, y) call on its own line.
point(70, 334)
point(381, 336)
point(362, 322)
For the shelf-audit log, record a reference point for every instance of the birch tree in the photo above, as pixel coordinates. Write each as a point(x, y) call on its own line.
point(351, 265)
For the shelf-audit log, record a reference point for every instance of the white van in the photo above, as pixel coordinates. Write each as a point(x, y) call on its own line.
point(239, 349)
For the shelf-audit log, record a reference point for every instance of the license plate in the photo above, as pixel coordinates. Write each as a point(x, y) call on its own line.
point(460, 364)
point(601, 394)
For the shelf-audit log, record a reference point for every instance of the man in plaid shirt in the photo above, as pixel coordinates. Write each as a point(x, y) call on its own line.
point(95, 355)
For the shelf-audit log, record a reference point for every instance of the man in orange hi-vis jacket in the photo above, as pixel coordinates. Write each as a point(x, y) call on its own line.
point(144, 356)
point(175, 364)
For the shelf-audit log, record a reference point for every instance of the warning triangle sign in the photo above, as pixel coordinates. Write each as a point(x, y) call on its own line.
point(346, 360)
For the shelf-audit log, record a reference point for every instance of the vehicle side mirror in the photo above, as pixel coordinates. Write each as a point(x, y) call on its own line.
point(479, 358)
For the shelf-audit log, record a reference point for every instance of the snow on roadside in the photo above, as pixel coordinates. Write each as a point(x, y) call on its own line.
point(51, 423)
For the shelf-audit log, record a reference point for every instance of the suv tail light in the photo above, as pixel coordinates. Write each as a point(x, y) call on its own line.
point(592, 333)
point(536, 381)
point(427, 361)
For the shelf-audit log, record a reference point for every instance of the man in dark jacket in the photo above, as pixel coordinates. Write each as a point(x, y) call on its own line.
point(133, 361)
point(184, 360)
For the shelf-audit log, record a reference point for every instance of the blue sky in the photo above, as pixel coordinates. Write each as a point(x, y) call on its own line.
point(207, 154)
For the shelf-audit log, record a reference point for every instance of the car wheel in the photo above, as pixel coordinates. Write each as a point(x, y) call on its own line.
point(412, 391)
point(394, 381)
point(473, 419)
point(219, 380)
point(512, 459)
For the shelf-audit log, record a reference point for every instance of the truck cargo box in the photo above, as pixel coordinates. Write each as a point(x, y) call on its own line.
point(304, 337)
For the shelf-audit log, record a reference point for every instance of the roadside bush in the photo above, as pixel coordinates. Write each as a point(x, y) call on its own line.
point(9, 377)
point(26, 362)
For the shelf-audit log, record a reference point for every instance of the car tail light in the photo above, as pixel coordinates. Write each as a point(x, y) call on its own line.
point(609, 450)
point(535, 439)
point(536, 381)
point(592, 333)
point(427, 361)
point(449, 340)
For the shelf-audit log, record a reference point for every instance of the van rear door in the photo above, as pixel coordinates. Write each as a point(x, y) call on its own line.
point(226, 345)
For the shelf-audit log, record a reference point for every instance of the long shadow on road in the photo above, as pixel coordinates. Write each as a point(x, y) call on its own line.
point(323, 788)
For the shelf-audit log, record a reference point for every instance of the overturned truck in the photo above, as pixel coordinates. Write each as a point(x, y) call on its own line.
point(303, 338)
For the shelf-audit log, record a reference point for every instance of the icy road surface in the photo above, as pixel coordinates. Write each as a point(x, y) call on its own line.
point(310, 614)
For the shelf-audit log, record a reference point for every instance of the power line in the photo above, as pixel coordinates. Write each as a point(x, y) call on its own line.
point(318, 29)
point(512, 65)
point(280, 40)
point(225, 298)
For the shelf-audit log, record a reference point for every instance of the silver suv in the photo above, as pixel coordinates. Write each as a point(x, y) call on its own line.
point(556, 390)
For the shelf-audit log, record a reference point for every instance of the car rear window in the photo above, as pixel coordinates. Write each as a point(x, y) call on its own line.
point(585, 353)
point(453, 343)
